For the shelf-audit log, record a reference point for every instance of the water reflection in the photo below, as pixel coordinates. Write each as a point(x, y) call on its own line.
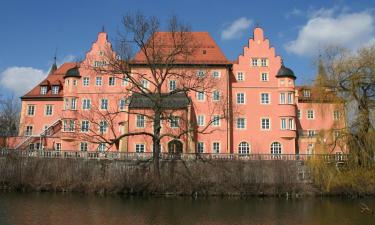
point(46, 208)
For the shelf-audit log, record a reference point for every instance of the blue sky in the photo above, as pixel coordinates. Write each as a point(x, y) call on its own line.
point(31, 31)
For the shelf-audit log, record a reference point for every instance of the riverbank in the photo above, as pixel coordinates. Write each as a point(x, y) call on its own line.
point(187, 178)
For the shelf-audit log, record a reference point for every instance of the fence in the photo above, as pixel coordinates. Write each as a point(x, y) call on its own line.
point(166, 156)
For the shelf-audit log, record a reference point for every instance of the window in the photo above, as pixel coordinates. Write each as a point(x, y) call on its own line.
point(55, 89)
point(122, 104)
point(86, 81)
point(200, 120)
point(31, 146)
point(101, 147)
point(283, 124)
point(264, 62)
point(58, 147)
point(98, 81)
point(66, 103)
point(74, 82)
point(172, 85)
point(29, 130)
point(216, 74)
point(291, 124)
point(282, 82)
point(306, 93)
point(310, 114)
point(216, 95)
point(73, 104)
point(264, 77)
point(83, 146)
point(275, 148)
point(216, 120)
point(216, 147)
point(282, 98)
point(43, 90)
point(336, 134)
point(48, 110)
point(265, 125)
point(68, 125)
point(140, 121)
point(298, 113)
point(244, 148)
point(84, 126)
point(254, 62)
point(104, 104)
point(174, 122)
point(31, 110)
point(139, 148)
point(103, 125)
point(200, 96)
point(111, 81)
point(124, 80)
point(86, 104)
point(201, 73)
point(265, 98)
point(311, 133)
point(290, 98)
point(336, 115)
point(240, 98)
point(241, 123)
point(200, 147)
point(240, 76)
point(144, 84)
point(310, 149)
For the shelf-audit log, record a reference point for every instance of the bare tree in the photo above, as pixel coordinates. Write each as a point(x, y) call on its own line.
point(161, 57)
point(9, 116)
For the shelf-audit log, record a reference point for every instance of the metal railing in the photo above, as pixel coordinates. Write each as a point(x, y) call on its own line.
point(166, 156)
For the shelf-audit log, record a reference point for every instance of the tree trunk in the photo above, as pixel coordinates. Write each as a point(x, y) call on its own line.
point(156, 144)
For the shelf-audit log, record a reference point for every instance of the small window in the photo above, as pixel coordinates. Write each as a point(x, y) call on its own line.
point(310, 149)
point(244, 148)
point(83, 146)
point(275, 148)
point(200, 120)
point(140, 148)
point(290, 98)
point(86, 81)
point(174, 122)
point(265, 123)
point(43, 90)
point(216, 147)
point(172, 85)
point(68, 125)
point(306, 93)
point(240, 98)
point(291, 124)
point(216, 74)
point(241, 123)
point(124, 80)
point(265, 98)
point(31, 110)
point(101, 147)
point(336, 134)
point(86, 104)
point(200, 96)
point(201, 73)
point(99, 81)
point(111, 81)
point(298, 113)
point(104, 104)
point(74, 82)
point(254, 62)
point(264, 62)
point(48, 110)
point(283, 124)
point(85, 126)
point(55, 89)
point(216, 95)
point(122, 104)
point(29, 131)
point(144, 84)
point(336, 115)
point(73, 104)
point(264, 77)
point(58, 147)
point(282, 98)
point(66, 103)
point(311, 133)
point(216, 120)
point(140, 121)
point(310, 114)
point(200, 147)
point(103, 125)
point(240, 76)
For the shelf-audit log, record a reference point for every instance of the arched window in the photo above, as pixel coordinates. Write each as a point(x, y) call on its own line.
point(275, 148)
point(243, 148)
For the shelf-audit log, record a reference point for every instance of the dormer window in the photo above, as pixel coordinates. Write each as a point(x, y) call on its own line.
point(306, 93)
point(55, 90)
point(43, 90)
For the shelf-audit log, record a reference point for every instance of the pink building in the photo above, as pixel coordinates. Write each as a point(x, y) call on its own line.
point(268, 113)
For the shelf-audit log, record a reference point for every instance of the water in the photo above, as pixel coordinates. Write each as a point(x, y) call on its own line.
point(67, 209)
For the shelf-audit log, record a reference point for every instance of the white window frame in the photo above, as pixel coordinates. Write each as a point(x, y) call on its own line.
point(55, 89)
point(216, 93)
point(200, 147)
point(86, 104)
point(29, 130)
point(214, 145)
point(243, 98)
point(86, 81)
point(48, 110)
point(83, 146)
point(199, 95)
point(104, 102)
point(73, 103)
point(239, 125)
point(99, 81)
point(201, 120)
point(283, 124)
point(216, 74)
point(31, 108)
point(264, 62)
point(269, 123)
point(85, 128)
point(140, 121)
point(172, 85)
point(254, 62)
point(216, 120)
point(174, 122)
point(310, 116)
point(240, 76)
point(111, 81)
point(336, 115)
point(290, 98)
point(264, 76)
point(140, 147)
point(43, 90)
point(267, 100)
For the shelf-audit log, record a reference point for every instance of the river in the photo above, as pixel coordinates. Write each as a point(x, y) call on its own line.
point(68, 209)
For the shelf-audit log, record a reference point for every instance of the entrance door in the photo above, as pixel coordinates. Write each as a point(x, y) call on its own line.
point(175, 147)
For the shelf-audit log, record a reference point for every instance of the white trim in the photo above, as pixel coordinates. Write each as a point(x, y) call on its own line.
point(269, 98)
point(269, 119)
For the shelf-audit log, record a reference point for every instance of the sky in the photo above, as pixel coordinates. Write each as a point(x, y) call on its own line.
point(33, 31)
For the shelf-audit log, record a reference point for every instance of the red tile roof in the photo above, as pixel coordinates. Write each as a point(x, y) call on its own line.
point(206, 50)
point(55, 78)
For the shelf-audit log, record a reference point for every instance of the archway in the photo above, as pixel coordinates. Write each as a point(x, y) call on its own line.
point(175, 147)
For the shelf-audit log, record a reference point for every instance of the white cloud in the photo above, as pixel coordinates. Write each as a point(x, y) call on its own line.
point(294, 12)
point(236, 28)
point(351, 30)
point(20, 80)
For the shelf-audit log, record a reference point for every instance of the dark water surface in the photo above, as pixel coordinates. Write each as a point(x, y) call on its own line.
point(47, 208)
